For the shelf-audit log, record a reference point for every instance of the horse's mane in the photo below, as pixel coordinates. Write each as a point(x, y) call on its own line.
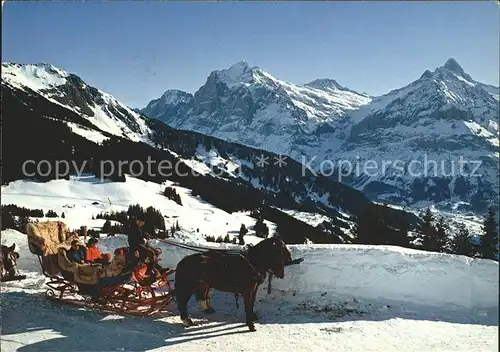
point(254, 254)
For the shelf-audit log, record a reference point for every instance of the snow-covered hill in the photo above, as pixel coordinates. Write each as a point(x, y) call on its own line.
point(445, 117)
point(101, 109)
point(357, 297)
point(342, 296)
point(33, 95)
point(229, 175)
point(82, 198)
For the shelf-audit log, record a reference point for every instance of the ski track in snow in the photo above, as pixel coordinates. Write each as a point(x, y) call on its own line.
point(341, 298)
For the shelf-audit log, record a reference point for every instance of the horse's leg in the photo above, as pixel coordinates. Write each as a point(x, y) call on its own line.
point(253, 297)
point(203, 292)
point(182, 297)
point(247, 297)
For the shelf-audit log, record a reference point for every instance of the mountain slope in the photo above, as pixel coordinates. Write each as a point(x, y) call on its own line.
point(442, 116)
point(68, 90)
point(225, 174)
point(250, 106)
point(425, 132)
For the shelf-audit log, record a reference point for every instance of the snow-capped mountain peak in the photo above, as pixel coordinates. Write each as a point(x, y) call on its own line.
point(175, 96)
point(331, 86)
point(426, 75)
point(68, 90)
point(172, 102)
point(444, 109)
point(453, 66)
point(237, 74)
point(249, 104)
point(325, 84)
point(237, 69)
point(37, 76)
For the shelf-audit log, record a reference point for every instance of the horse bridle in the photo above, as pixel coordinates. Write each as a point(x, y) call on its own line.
point(9, 261)
point(247, 254)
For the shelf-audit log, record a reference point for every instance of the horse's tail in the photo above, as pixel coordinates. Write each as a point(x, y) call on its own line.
point(203, 295)
point(200, 293)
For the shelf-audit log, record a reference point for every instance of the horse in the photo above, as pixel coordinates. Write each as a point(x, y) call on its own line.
point(236, 273)
point(8, 261)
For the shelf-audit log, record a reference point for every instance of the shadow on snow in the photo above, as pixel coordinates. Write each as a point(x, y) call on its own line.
point(67, 328)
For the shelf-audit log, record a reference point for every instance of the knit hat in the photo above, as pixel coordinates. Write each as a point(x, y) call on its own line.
point(141, 218)
point(134, 218)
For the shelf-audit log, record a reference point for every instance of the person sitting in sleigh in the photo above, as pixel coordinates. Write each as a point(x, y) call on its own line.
point(93, 255)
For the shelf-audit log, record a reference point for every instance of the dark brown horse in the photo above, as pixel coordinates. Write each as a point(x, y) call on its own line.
point(8, 261)
point(235, 273)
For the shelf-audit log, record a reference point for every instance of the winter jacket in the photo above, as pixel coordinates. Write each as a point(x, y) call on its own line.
point(130, 262)
point(93, 253)
point(76, 256)
point(135, 237)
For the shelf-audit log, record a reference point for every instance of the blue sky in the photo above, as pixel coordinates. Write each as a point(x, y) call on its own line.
point(136, 50)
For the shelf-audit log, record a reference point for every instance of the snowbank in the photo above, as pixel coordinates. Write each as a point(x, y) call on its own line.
point(378, 273)
point(392, 273)
point(371, 273)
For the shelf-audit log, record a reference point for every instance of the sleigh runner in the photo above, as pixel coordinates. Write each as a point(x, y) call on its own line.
point(108, 287)
point(113, 288)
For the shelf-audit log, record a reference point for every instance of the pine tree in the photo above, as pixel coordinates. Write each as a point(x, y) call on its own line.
point(106, 228)
point(427, 230)
point(265, 230)
point(8, 221)
point(242, 233)
point(461, 243)
point(400, 236)
point(441, 241)
point(368, 227)
point(360, 231)
point(21, 223)
point(489, 240)
point(261, 229)
point(51, 214)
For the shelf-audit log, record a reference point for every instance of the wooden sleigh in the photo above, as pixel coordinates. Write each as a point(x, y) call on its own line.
point(106, 288)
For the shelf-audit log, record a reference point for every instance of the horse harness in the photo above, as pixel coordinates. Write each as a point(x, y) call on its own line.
point(243, 252)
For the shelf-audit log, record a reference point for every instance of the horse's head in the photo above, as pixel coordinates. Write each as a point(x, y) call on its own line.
point(272, 255)
point(9, 259)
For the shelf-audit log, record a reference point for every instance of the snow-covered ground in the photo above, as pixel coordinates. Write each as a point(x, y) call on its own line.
point(82, 197)
point(342, 297)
